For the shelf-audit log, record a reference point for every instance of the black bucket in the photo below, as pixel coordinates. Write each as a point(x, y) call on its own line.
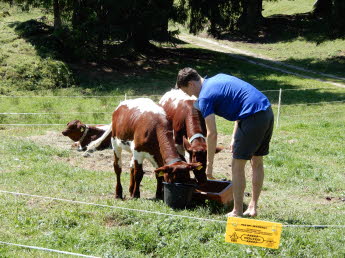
point(178, 195)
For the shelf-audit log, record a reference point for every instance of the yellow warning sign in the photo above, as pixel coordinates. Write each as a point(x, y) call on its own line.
point(253, 232)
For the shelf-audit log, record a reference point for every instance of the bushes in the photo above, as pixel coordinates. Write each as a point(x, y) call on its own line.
point(29, 57)
point(34, 73)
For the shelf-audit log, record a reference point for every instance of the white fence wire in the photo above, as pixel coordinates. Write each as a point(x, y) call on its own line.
point(124, 97)
point(140, 211)
point(139, 96)
point(47, 249)
point(151, 212)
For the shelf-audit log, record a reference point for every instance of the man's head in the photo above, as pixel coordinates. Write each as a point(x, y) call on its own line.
point(189, 81)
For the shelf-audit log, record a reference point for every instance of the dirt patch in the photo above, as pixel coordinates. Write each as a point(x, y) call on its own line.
point(103, 160)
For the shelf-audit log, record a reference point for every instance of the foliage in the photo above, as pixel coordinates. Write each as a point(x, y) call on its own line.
point(338, 20)
point(218, 15)
point(332, 12)
point(29, 57)
point(90, 24)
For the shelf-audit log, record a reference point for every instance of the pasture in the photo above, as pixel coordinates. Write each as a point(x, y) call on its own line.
point(304, 173)
point(303, 185)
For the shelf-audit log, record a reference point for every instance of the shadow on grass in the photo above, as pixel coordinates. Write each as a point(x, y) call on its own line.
point(154, 74)
point(212, 207)
point(285, 28)
point(40, 35)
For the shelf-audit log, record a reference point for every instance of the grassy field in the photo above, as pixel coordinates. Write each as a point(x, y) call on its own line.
point(26, 60)
point(303, 186)
point(304, 182)
point(286, 7)
point(294, 37)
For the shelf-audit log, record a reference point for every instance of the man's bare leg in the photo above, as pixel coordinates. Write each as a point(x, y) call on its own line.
point(238, 186)
point(257, 182)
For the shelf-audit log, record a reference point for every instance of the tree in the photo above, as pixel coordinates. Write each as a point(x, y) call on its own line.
point(224, 15)
point(218, 15)
point(57, 15)
point(251, 17)
point(333, 12)
point(323, 8)
point(338, 16)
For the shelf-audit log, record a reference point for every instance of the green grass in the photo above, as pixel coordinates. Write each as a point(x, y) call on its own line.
point(324, 57)
point(293, 37)
point(308, 45)
point(286, 7)
point(25, 66)
point(305, 167)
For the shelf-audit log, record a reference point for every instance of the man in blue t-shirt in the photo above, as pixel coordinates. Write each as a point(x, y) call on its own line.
point(239, 101)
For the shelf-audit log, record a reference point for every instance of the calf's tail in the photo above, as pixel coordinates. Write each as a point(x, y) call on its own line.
point(93, 145)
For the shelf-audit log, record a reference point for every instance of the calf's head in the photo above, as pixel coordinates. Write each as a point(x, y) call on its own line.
point(177, 172)
point(75, 130)
point(197, 151)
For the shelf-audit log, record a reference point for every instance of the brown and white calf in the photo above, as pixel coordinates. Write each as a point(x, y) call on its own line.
point(188, 125)
point(82, 134)
point(141, 127)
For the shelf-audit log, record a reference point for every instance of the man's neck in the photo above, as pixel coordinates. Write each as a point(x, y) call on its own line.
point(199, 89)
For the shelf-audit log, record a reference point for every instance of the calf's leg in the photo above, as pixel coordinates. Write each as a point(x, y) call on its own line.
point(138, 176)
point(117, 169)
point(159, 189)
point(131, 177)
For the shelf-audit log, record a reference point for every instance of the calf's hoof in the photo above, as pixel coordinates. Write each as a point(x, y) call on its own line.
point(118, 197)
point(135, 196)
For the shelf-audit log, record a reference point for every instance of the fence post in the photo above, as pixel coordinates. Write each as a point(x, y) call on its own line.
point(279, 104)
point(125, 96)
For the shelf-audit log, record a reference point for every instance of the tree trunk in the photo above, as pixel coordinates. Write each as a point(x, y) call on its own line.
point(102, 24)
point(76, 14)
point(251, 17)
point(338, 16)
point(57, 15)
point(323, 8)
point(163, 28)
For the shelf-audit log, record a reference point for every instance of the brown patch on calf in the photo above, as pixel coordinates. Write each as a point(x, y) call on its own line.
point(73, 130)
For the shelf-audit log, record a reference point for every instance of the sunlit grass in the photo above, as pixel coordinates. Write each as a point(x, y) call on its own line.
point(286, 7)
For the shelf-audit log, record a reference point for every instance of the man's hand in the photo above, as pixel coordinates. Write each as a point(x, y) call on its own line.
point(209, 170)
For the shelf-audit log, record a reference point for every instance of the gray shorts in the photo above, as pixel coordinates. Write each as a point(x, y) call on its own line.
point(253, 135)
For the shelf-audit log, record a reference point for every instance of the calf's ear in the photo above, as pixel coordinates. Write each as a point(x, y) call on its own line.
point(160, 171)
point(196, 165)
point(186, 144)
point(80, 126)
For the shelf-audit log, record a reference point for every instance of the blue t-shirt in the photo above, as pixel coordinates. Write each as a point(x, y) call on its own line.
point(230, 97)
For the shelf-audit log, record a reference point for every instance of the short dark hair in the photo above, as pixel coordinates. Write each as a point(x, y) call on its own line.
point(185, 75)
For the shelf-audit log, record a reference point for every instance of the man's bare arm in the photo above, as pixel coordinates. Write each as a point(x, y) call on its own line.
point(211, 141)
